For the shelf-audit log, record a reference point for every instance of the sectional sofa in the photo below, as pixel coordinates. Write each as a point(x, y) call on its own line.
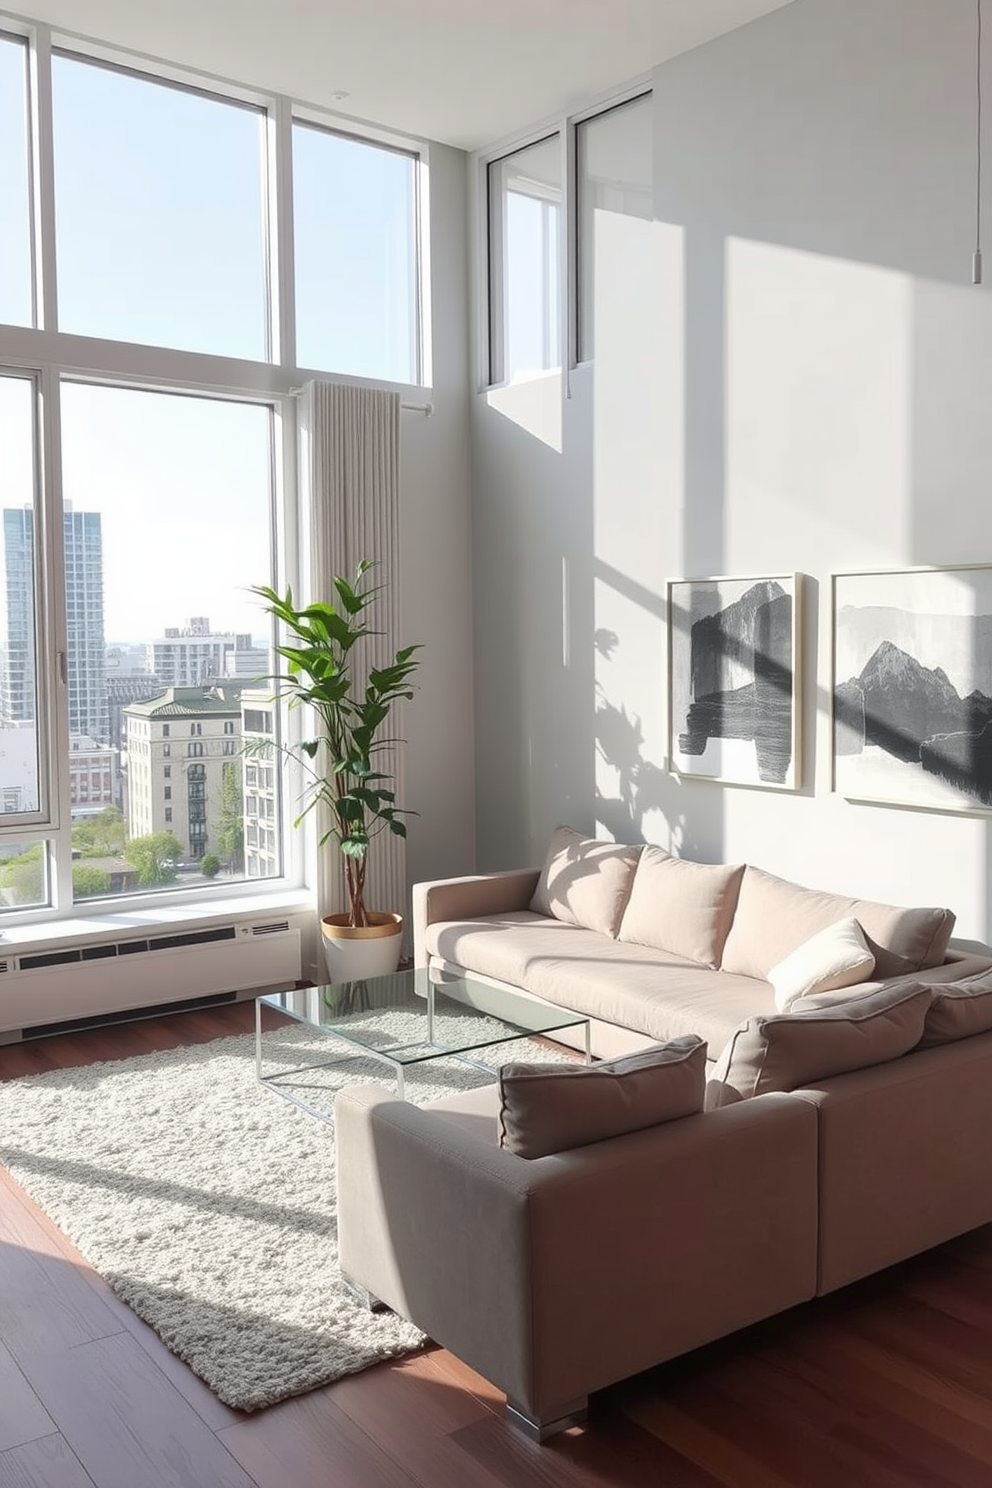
point(796, 1092)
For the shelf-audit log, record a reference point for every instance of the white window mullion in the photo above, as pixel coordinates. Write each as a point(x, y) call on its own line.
point(282, 276)
point(43, 181)
point(53, 703)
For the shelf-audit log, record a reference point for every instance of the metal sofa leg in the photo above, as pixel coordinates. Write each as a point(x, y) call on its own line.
point(539, 1428)
point(363, 1296)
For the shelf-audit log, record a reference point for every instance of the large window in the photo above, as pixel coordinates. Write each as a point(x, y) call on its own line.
point(525, 253)
point(355, 232)
point(614, 176)
point(146, 459)
point(159, 204)
point(15, 216)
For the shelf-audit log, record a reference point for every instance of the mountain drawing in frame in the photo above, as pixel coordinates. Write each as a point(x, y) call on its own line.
point(733, 680)
point(912, 687)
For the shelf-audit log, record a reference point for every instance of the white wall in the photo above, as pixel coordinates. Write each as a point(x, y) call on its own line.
point(793, 372)
point(435, 535)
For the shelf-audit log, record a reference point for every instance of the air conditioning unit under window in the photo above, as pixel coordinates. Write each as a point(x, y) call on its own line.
point(42, 990)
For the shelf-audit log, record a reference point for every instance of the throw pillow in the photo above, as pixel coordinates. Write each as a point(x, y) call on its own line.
point(585, 882)
point(835, 957)
point(789, 1050)
point(682, 907)
point(547, 1108)
point(957, 1010)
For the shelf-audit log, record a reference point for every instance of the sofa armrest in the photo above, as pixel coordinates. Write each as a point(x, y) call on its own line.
point(558, 1276)
point(468, 899)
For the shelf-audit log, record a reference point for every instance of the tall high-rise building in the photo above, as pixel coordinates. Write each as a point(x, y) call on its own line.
point(85, 651)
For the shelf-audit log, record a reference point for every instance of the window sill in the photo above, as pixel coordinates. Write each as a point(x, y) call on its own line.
point(186, 916)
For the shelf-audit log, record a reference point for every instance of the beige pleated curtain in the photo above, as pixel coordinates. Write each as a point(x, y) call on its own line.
point(350, 466)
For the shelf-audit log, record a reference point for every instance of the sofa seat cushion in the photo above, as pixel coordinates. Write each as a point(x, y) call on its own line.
point(774, 916)
point(637, 987)
point(585, 882)
point(834, 1035)
point(676, 905)
point(546, 1108)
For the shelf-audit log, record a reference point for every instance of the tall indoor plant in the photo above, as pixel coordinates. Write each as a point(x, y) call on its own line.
point(350, 707)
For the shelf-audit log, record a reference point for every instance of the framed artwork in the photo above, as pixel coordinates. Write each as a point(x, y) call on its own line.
point(733, 680)
point(912, 687)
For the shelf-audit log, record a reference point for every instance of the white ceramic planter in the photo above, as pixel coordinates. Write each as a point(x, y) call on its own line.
point(354, 954)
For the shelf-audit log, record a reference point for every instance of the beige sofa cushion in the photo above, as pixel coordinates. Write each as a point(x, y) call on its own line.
point(835, 957)
point(774, 916)
point(585, 882)
point(547, 1108)
point(654, 993)
point(679, 906)
point(831, 1038)
point(958, 1010)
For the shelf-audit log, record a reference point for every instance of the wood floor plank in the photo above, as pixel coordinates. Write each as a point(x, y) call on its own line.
point(309, 1443)
point(126, 1424)
point(47, 1463)
point(45, 1303)
point(23, 1418)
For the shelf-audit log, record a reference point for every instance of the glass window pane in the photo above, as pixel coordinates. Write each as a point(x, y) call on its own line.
point(159, 204)
point(354, 208)
point(614, 159)
point(166, 526)
point(15, 199)
point(20, 790)
point(525, 262)
point(23, 875)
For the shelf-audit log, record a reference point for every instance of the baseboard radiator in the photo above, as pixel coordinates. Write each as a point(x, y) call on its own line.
point(41, 991)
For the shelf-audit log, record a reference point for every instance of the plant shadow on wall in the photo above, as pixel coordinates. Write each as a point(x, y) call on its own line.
point(348, 706)
point(642, 786)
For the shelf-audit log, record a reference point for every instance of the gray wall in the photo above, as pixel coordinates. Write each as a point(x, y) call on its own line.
point(793, 373)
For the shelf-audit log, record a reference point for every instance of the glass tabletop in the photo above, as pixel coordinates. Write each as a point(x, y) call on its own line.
point(416, 1015)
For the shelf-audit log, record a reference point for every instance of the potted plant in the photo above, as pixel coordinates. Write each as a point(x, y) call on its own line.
point(350, 707)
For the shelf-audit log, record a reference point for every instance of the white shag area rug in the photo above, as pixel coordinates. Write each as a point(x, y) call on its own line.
point(208, 1203)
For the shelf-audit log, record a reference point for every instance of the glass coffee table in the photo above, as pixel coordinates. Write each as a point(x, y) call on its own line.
point(406, 1019)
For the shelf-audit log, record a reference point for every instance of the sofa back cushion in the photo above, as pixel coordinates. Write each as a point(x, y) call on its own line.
point(547, 1108)
point(585, 882)
point(957, 1010)
point(682, 907)
point(774, 916)
point(831, 1037)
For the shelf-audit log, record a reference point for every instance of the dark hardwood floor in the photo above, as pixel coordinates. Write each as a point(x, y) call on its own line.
point(886, 1385)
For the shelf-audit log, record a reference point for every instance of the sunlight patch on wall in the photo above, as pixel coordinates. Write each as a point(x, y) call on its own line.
point(534, 404)
point(818, 410)
point(638, 497)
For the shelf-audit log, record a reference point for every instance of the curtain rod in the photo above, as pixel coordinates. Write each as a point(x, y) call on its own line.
point(427, 409)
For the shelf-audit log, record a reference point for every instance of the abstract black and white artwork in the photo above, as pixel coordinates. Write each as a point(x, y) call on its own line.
point(733, 680)
point(912, 687)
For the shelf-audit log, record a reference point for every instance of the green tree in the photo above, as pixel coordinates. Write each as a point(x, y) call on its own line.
point(23, 878)
point(210, 865)
point(102, 836)
point(154, 857)
point(87, 881)
point(229, 831)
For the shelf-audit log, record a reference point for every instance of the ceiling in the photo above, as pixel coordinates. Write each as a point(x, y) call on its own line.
point(465, 72)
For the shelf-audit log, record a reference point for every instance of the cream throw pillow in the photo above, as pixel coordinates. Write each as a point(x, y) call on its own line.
point(547, 1108)
point(835, 957)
